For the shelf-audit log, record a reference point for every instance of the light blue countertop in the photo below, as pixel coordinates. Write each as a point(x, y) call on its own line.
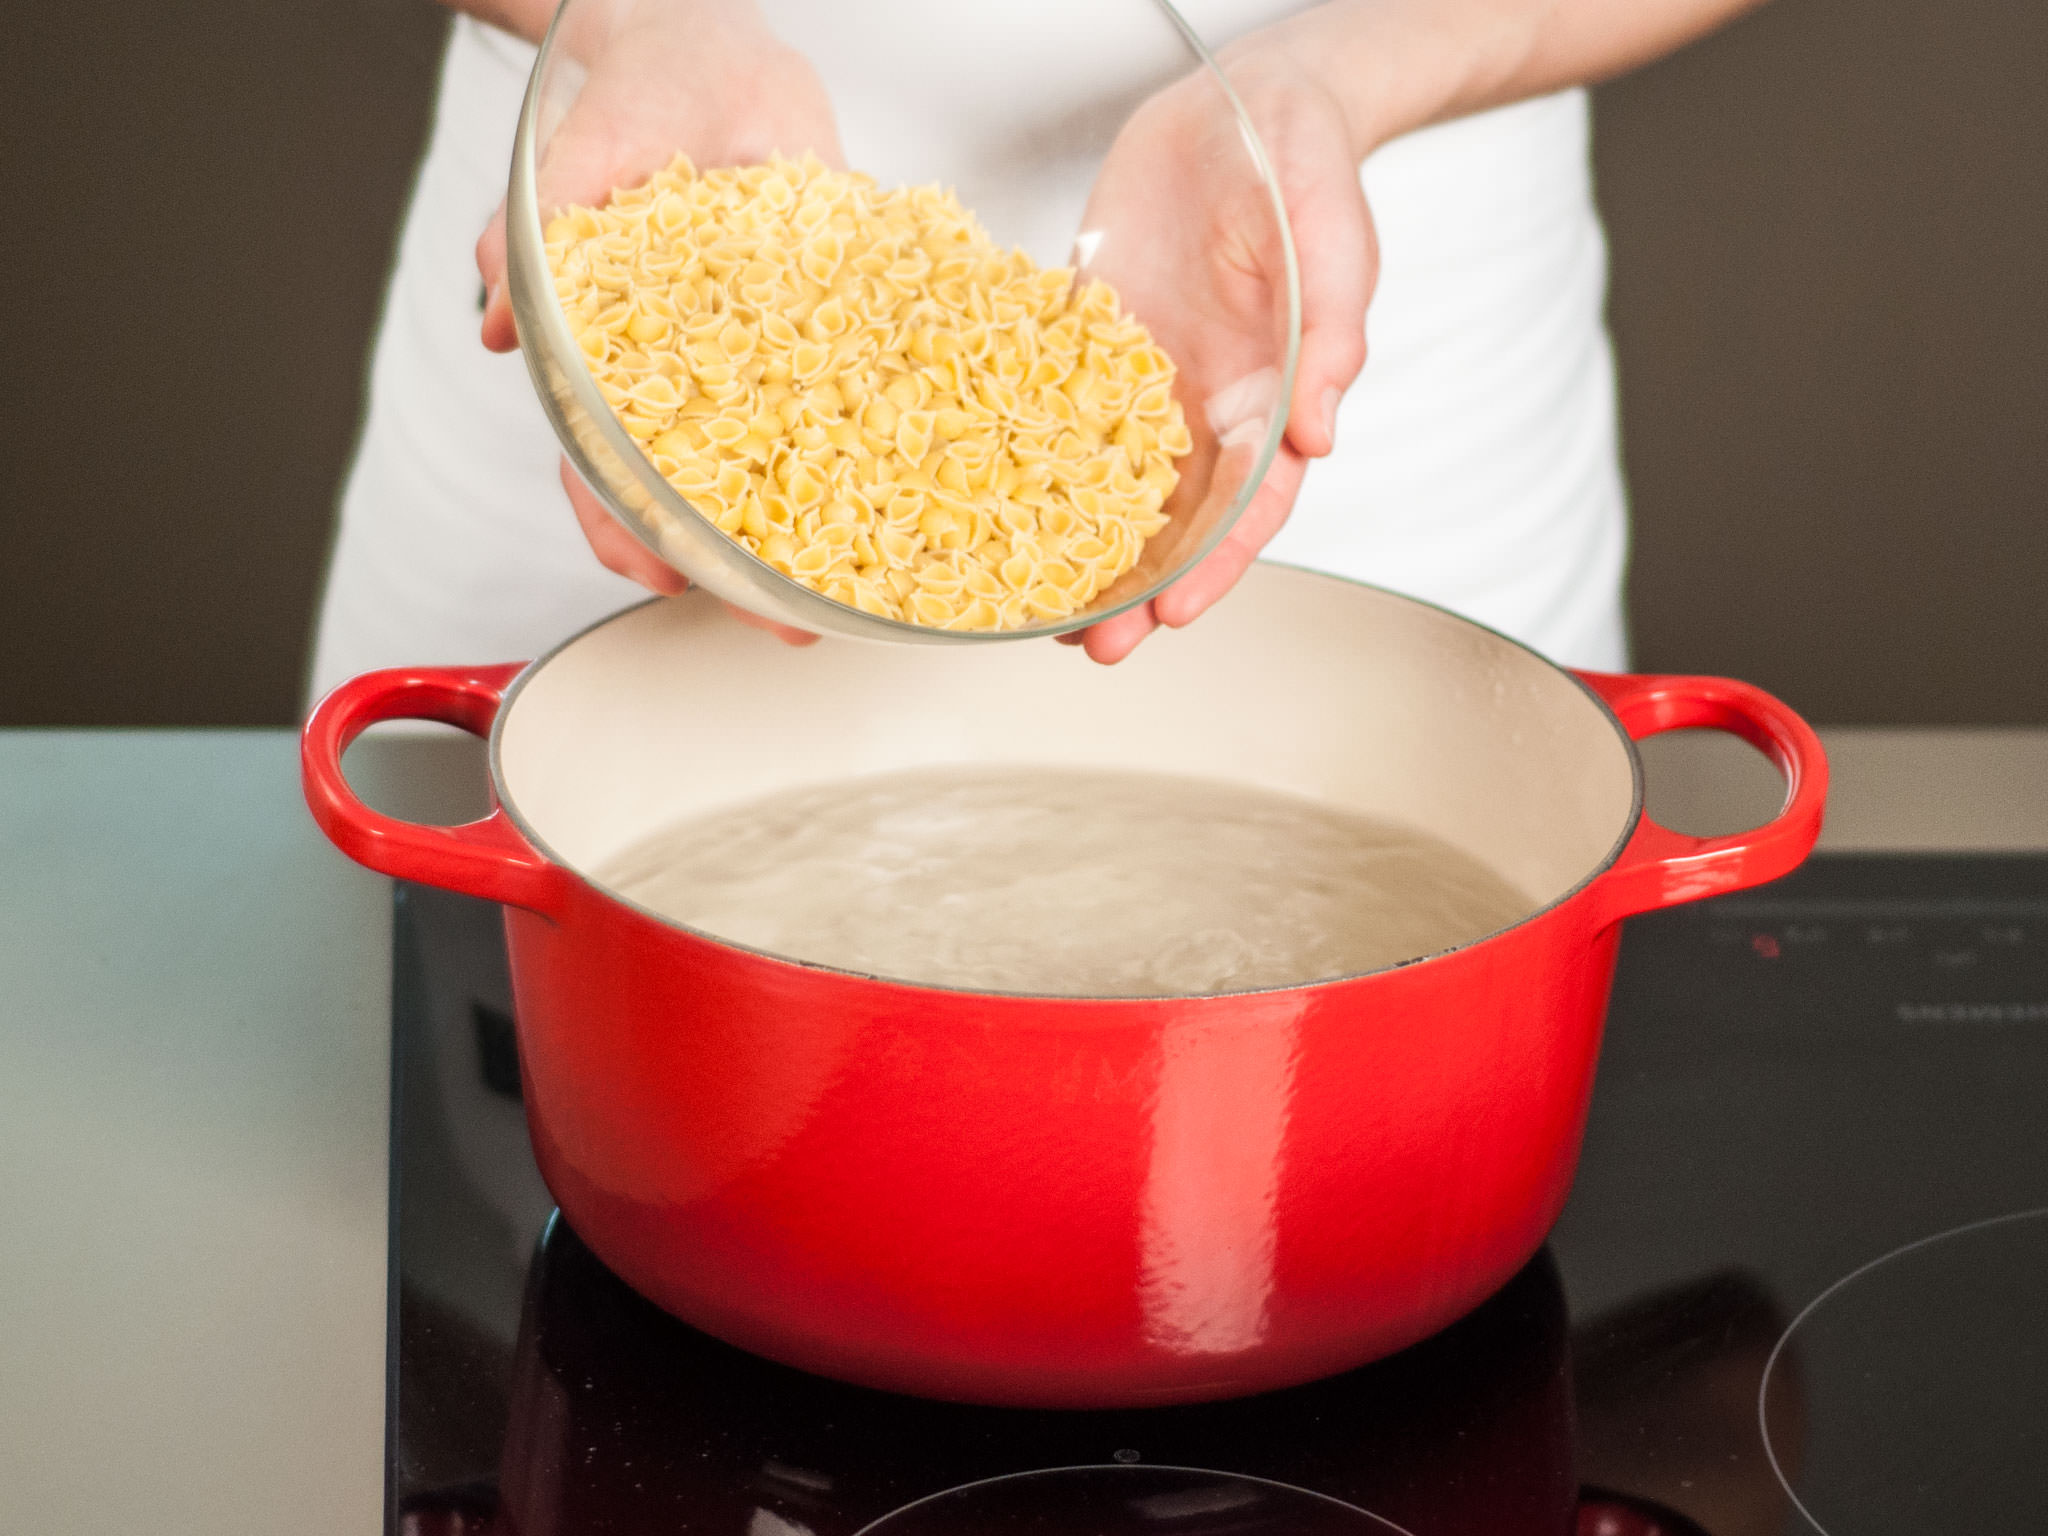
point(194, 995)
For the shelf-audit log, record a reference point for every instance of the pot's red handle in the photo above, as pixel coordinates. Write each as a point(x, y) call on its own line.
point(1659, 867)
point(480, 858)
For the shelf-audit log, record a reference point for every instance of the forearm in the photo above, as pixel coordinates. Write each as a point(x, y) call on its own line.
point(529, 18)
point(522, 18)
point(1396, 65)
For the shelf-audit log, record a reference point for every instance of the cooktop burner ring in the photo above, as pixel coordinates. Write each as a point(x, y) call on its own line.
point(1813, 1307)
point(1352, 1515)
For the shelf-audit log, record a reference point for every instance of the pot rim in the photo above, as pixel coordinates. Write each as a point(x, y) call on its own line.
point(1592, 877)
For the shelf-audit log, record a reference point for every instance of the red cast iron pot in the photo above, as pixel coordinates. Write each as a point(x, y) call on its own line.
point(1064, 1201)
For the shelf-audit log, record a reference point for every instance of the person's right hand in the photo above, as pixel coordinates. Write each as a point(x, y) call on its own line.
point(1198, 256)
point(705, 77)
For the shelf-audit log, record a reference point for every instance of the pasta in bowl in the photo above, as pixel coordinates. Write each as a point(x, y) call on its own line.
point(863, 390)
point(948, 400)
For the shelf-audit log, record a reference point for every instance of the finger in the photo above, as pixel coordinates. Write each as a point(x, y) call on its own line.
point(1113, 639)
point(499, 333)
point(788, 634)
point(615, 548)
point(1239, 412)
point(1334, 245)
point(1191, 596)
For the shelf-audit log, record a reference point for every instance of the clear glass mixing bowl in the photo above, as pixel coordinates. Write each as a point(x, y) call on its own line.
point(992, 98)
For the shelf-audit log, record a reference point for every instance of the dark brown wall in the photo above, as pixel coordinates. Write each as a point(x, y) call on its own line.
point(1830, 237)
point(1828, 227)
point(200, 207)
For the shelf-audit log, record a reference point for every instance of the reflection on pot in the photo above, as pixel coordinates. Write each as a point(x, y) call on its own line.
point(625, 1420)
point(1666, 1387)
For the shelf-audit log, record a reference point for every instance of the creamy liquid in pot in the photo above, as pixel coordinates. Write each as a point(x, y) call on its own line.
point(1069, 882)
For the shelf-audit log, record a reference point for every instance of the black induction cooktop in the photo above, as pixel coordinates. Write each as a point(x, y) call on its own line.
point(1802, 1285)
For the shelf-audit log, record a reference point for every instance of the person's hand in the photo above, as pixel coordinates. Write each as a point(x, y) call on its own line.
point(1196, 256)
point(702, 76)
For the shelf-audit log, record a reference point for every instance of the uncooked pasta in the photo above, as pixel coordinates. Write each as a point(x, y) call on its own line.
point(861, 388)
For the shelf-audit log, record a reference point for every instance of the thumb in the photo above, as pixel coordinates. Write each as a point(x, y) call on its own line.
point(1334, 244)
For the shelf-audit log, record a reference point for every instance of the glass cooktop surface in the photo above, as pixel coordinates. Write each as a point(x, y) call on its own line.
point(1801, 1286)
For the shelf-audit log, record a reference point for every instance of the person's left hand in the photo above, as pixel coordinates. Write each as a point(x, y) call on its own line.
point(706, 77)
point(1197, 256)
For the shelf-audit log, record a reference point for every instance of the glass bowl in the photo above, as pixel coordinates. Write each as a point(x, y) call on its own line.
point(1016, 115)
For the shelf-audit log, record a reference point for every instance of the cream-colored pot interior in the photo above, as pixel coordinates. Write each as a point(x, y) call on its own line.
point(1295, 682)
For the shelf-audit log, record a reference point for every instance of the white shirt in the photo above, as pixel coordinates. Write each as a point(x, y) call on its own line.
point(1476, 463)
